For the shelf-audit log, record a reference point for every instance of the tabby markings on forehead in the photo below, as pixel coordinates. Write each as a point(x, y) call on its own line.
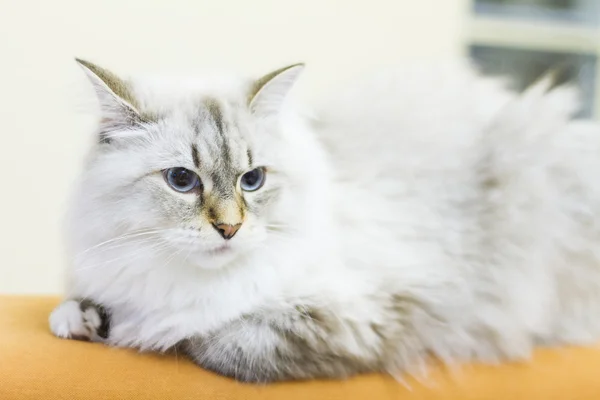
point(215, 111)
point(195, 156)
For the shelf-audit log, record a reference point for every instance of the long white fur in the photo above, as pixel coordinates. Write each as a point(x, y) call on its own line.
point(427, 180)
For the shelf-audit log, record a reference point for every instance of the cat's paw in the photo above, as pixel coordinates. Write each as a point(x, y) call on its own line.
point(78, 320)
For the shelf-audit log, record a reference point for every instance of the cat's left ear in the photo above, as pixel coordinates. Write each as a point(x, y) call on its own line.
point(268, 93)
point(118, 106)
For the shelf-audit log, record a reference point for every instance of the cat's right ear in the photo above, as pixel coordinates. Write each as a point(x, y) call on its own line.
point(268, 93)
point(117, 104)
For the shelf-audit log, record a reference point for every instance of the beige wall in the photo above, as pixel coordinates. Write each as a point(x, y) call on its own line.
point(43, 133)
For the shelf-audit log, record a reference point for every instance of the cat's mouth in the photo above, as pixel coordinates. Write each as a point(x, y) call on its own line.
point(223, 249)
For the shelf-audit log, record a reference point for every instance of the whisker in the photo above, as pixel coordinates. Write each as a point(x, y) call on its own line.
point(122, 237)
point(129, 256)
point(172, 257)
point(124, 243)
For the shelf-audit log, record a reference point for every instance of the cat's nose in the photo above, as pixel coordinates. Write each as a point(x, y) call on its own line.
point(227, 230)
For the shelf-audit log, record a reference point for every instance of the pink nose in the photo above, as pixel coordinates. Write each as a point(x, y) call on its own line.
point(227, 231)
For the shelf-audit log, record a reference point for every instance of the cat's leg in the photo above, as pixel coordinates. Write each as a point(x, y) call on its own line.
point(267, 348)
point(398, 335)
point(80, 320)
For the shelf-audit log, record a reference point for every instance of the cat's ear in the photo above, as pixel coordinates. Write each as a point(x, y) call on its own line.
point(117, 104)
point(268, 93)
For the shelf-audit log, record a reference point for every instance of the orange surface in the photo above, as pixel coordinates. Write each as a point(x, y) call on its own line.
point(36, 365)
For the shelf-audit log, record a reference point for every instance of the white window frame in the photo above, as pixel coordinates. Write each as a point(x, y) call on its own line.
point(535, 34)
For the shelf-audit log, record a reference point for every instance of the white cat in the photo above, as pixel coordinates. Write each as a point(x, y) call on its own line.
point(426, 213)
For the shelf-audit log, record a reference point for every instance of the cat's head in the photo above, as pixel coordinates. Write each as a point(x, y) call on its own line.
point(205, 172)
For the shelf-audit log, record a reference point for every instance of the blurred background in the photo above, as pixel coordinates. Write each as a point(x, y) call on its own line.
point(45, 133)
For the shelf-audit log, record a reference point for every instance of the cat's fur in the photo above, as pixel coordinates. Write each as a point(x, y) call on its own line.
point(427, 213)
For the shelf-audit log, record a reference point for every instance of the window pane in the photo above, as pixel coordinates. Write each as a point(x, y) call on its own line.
point(577, 11)
point(526, 66)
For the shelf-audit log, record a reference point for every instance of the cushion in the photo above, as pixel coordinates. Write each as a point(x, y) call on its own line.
point(36, 365)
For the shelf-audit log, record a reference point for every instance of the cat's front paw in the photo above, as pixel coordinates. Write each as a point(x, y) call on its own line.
point(79, 320)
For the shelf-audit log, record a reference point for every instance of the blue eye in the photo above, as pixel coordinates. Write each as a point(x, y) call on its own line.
point(181, 179)
point(253, 180)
